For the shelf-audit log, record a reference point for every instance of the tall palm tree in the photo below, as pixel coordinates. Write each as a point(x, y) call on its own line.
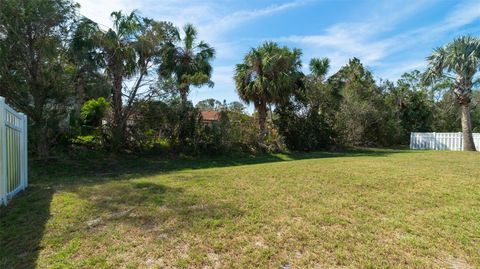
point(116, 48)
point(458, 62)
point(126, 52)
point(188, 62)
point(269, 75)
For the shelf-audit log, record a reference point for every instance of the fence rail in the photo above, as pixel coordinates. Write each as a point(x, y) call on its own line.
point(13, 152)
point(440, 141)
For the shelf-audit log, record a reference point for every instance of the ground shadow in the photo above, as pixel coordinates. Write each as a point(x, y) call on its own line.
point(22, 224)
point(101, 167)
point(141, 208)
point(144, 203)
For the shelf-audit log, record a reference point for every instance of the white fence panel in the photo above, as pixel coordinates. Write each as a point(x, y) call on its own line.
point(440, 141)
point(13, 152)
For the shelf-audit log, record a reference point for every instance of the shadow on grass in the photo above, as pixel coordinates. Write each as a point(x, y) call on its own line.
point(98, 167)
point(137, 210)
point(149, 206)
point(22, 225)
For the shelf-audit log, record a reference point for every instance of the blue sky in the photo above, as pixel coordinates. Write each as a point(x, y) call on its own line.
point(390, 37)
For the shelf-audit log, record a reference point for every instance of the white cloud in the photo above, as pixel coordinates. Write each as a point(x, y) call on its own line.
point(370, 40)
point(395, 71)
point(223, 74)
point(463, 14)
point(211, 17)
point(233, 20)
point(99, 11)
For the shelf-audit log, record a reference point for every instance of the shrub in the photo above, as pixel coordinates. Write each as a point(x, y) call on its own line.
point(93, 111)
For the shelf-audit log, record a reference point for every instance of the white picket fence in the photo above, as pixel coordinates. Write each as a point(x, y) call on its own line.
point(13, 152)
point(440, 141)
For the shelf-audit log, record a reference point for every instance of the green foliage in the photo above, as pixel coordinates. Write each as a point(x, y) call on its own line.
point(269, 75)
point(362, 114)
point(302, 128)
point(131, 50)
point(411, 104)
point(167, 120)
point(64, 72)
point(236, 107)
point(303, 121)
point(209, 104)
point(186, 62)
point(93, 111)
point(35, 75)
point(458, 62)
point(168, 125)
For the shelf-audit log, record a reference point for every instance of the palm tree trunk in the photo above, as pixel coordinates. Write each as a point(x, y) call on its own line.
point(184, 121)
point(262, 119)
point(118, 122)
point(468, 144)
point(183, 96)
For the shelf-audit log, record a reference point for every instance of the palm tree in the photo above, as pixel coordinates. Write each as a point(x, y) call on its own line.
point(116, 48)
point(188, 62)
point(319, 68)
point(269, 75)
point(458, 62)
point(126, 52)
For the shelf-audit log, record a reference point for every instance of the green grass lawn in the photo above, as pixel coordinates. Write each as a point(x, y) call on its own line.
point(364, 208)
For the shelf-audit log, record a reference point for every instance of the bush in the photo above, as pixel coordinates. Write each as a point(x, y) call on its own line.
point(303, 128)
point(93, 111)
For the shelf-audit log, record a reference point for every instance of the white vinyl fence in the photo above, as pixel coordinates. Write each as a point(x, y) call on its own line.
point(13, 152)
point(440, 141)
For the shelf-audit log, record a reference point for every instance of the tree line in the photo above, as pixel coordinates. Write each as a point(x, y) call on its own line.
point(313, 111)
point(126, 88)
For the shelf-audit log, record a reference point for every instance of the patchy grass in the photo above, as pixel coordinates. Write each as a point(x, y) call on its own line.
point(366, 208)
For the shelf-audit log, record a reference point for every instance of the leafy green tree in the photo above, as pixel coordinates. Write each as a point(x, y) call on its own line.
point(362, 117)
point(458, 61)
point(130, 52)
point(412, 105)
point(446, 114)
point(186, 62)
point(209, 104)
point(236, 107)
point(324, 96)
point(35, 73)
point(179, 125)
point(303, 120)
point(269, 75)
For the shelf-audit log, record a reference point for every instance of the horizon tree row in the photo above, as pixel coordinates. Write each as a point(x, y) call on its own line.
point(349, 107)
point(126, 89)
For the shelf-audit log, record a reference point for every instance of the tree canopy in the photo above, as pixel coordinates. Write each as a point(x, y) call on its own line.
point(269, 75)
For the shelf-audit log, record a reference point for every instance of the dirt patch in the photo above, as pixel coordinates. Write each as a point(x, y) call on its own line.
point(454, 263)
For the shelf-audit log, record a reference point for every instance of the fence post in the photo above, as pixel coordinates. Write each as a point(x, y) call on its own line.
point(434, 141)
point(3, 153)
point(461, 141)
point(411, 140)
point(24, 152)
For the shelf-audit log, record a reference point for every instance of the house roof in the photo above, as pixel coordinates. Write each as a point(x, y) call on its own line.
point(210, 115)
